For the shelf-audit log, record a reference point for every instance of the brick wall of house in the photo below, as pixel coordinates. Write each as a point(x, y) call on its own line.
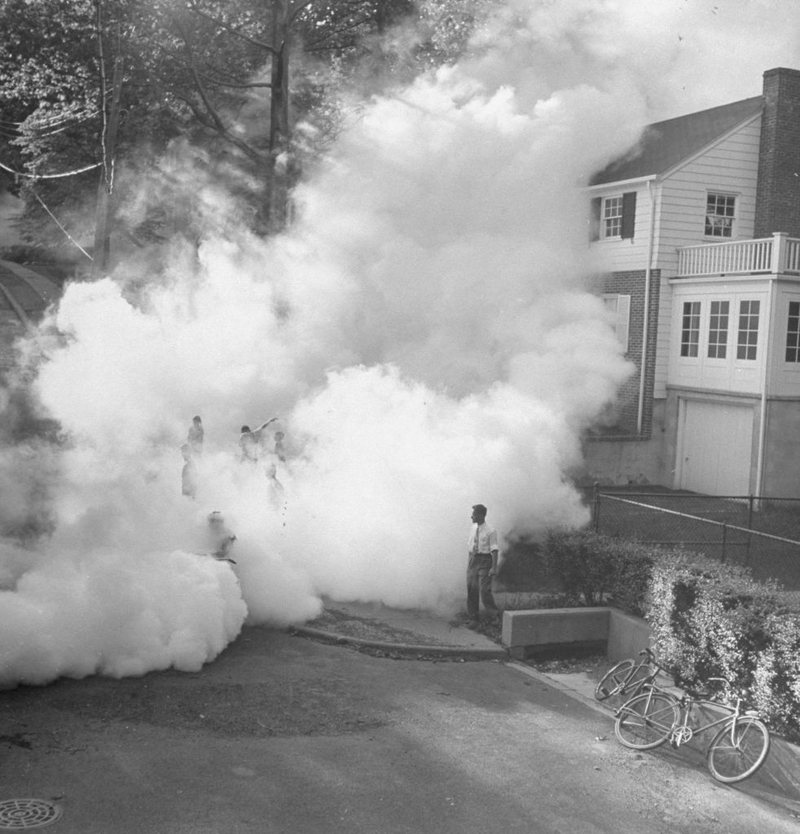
point(778, 191)
point(626, 408)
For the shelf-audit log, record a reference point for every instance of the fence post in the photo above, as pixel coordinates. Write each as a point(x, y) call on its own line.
point(751, 503)
point(596, 507)
point(724, 540)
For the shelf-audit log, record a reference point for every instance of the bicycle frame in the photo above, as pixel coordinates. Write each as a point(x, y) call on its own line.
point(682, 732)
point(737, 749)
point(642, 673)
point(650, 687)
point(634, 685)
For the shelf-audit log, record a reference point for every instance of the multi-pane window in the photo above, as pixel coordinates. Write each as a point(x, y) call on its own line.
point(612, 217)
point(690, 328)
point(748, 330)
point(793, 333)
point(720, 213)
point(718, 329)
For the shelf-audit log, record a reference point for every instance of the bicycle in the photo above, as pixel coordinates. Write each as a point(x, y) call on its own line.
point(629, 676)
point(737, 751)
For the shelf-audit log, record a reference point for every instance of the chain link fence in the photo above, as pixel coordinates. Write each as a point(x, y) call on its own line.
point(761, 533)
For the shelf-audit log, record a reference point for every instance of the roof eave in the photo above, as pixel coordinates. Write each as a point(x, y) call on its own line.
point(624, 183)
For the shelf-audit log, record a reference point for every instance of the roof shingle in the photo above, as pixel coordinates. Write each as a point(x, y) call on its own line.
point(665, 144)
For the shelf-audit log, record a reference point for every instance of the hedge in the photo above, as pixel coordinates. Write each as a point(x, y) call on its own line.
point(713, 620)
point(708, 619)
point(600, 570)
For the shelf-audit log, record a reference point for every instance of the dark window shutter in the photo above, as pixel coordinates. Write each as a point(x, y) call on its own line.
point(628, 213)
point(594, 228)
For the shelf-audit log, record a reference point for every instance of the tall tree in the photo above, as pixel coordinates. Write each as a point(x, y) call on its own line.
point(228, 76)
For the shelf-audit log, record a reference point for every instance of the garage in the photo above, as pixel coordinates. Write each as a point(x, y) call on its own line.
point(715, 447)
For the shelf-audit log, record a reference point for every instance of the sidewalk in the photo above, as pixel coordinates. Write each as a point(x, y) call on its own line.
point(410, 632)
point(415, 632)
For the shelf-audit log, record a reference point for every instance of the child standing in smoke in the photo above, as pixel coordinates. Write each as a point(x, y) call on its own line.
point(279, 450)
point(195, 436)
point(275, 486)
point(189, 472)
point(251, 441)
point(220, 537)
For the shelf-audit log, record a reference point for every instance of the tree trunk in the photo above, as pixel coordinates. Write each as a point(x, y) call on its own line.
point(105, 189)
point(278, 173)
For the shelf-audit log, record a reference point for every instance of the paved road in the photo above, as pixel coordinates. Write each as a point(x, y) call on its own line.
point(283, 734)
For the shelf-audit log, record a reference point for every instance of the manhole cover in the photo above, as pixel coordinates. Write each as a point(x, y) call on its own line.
point(16, 814)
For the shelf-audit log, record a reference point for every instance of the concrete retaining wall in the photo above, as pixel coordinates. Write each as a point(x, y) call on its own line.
point(619, 634)
point(627, 635)
point(524, 632)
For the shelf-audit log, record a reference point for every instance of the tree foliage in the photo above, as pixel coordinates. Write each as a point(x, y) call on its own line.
point(107, 87)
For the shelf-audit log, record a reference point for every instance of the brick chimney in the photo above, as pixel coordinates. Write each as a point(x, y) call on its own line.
point(778, 191)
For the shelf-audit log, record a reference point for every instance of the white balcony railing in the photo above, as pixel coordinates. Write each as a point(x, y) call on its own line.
point(772, 255)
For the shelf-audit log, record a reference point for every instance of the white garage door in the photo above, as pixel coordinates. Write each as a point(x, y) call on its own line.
point(715, 448)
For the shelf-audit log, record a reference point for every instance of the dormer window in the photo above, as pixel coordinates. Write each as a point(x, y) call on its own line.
point(720, 214)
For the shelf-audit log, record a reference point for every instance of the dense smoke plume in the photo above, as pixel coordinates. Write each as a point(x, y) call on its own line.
point(425, 332)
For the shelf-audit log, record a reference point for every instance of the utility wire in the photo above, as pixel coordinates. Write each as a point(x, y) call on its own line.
point(50, 176)
point(55, 220)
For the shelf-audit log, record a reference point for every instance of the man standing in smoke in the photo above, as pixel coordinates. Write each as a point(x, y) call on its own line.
point(482, 566)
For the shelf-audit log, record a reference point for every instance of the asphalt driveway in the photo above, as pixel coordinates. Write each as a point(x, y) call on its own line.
point(285, 734)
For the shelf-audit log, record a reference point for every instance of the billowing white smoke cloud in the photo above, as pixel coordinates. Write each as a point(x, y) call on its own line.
point(424, 332)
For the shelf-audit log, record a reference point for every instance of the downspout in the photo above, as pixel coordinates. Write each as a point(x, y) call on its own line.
point(762, 429)
point(646, 323)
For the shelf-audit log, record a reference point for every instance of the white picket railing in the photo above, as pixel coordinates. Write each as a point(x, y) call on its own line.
point(777, 254)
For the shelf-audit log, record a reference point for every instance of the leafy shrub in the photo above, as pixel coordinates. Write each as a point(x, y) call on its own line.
point(522, 568)
point(601, 570)
point(713, 620)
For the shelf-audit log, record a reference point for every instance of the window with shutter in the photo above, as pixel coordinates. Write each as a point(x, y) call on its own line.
point(614, 217)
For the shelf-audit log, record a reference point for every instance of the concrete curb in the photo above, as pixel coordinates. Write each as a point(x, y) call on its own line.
point(410, 649)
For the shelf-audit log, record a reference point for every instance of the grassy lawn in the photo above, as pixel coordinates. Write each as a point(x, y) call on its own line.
point(766, 557)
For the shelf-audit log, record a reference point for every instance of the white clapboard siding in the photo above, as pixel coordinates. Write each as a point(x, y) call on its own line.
point(728, 167)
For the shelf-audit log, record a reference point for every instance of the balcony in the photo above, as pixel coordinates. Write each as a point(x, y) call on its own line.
point(776, 255)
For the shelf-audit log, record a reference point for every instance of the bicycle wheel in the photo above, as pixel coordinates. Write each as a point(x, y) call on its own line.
point(735, 754)
point(615, 680)
point(646, 720)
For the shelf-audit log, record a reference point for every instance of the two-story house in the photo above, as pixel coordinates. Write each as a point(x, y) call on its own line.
point(697, 235)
